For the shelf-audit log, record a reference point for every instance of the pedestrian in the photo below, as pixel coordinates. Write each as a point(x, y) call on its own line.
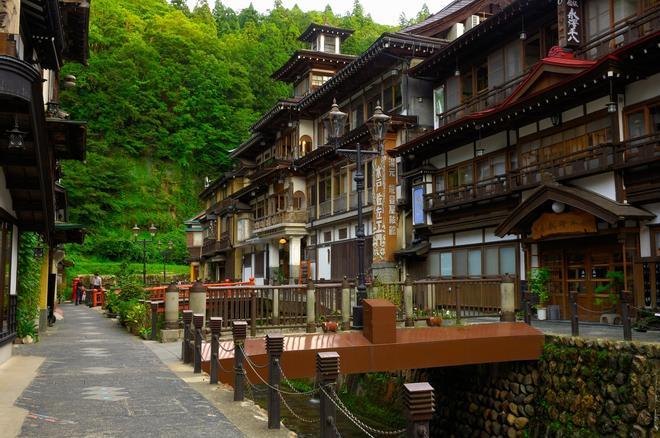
point(96, 281)
point(80, 291)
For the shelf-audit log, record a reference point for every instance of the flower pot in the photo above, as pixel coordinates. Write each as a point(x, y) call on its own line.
point(541, 313)
point(329, 326)
point(434, 321)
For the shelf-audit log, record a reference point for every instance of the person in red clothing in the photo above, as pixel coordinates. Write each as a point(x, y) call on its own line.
point(80, 291)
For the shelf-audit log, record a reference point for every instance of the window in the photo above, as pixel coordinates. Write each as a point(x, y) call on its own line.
point(329, 44)
point(342, 233)
point(319, 79)
point(491, 166)
point(243, 229)
point(532, 50)
point(6, 241)
point(466, 87)
point(325, 188)
point(644, 120)
point(305, 145)
point(481, 261)
point(482, 77)
point(327, 236)
point(513, 60)
point(459, 176)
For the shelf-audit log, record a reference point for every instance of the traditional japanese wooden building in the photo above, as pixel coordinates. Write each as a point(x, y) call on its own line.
point(544, 153)
point(36, 38)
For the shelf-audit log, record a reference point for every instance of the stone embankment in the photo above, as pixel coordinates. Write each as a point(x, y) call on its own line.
point(578, 388)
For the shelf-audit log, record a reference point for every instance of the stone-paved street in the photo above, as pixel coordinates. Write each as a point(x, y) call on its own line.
point(97, 381)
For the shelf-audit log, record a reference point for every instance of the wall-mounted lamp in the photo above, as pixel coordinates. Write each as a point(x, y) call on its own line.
point(479, 152)
point(420, 99)
point(611, 105)
point(558, 207)
point(555, 119)
point(523, 34)
point(282, 241)
point(16, 136)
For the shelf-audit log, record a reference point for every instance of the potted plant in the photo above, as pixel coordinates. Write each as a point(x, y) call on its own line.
point(434, 318)
point(538, 285)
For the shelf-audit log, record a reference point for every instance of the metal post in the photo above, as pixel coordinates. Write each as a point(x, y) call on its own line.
point(575, 326)
point(359, 235)
point(408, 301)
point(527, 314)
point(216, 328)
point(327, 371)
point(625, 314)
point(198, 322)
point(276, 306)
point(185, 345)
point(311, 307)
point(144, 262)
point(239, 332)
point(274, 347)
point(345, 304)
point(154, 318)
point(420, 405)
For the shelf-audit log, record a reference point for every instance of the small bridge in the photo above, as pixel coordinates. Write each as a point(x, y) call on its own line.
point(426, 347)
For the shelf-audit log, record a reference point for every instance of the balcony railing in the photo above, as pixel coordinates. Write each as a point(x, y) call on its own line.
point(482, 101)
point(281, 217)
point(641, 150)
point(325, 208)
point(623, 33)
point(583, 162)
point(213, 246)
point(340, 203)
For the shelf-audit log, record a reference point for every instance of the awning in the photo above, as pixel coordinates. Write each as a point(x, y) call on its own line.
point(218, 258)
point(417, 249)
point(69, 233)
point(520, 219)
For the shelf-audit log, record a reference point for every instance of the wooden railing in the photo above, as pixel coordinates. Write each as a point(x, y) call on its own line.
point(281, 217)
point(579, 163)
point(340, 203)
point(623, 33)
point(640, 150)
point(472, 298)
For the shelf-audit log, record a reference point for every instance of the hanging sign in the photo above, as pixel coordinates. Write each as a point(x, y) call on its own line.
point(572, 222)
point(569, 23)
point(384, 210)
point(418, 205)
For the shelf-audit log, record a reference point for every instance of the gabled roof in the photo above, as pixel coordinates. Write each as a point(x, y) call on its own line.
point(280, 108)
point(314, 29)
point(304, 60)
point(585, 200)
point(445, 12)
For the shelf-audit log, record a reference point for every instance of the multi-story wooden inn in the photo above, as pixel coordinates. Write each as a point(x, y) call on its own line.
point(545, 151)
point(36, 38)
point(524, 133)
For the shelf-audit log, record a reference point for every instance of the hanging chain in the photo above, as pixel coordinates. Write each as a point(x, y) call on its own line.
point(347, 414)
point(333, 423)
point(596, 311)
point(356, 420)
point(287, 381)
point(228, 350)
point(286, 405)
point(247, 358)
point(277, 389)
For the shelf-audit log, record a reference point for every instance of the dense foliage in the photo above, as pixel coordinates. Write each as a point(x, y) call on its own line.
point(29, 270)
point(167, 93)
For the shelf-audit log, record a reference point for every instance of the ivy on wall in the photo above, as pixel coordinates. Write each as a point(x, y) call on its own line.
point(29, 270)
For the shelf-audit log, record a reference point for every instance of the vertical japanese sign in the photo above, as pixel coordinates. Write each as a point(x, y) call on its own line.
point(418, 205)
point(569, 23)
point(385, 219)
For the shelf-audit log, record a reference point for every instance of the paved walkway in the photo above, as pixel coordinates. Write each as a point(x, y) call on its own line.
point(96, 381)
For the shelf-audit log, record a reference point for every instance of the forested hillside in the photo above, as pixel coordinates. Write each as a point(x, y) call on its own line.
point(167, 93)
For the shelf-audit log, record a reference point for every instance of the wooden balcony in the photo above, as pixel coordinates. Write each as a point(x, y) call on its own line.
point(581, 163)
point(295, 217)
point(638, 151)
point(213, 246)
point(623, 33)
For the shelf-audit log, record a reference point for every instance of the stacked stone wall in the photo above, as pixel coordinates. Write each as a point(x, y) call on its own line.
point(578, 388)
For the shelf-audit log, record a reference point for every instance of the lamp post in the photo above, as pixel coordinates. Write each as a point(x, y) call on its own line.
point(335, 122)
point(164, 253)
point(136, 231)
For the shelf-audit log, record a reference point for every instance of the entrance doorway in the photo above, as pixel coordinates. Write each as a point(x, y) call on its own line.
point(582, 265)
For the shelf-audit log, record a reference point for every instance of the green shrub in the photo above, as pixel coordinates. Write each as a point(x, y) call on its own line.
point(29, 271)
point(26, 327)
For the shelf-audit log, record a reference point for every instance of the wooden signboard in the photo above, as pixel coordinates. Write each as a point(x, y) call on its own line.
point(569, 22)
point(572, 222)
point(385, 210)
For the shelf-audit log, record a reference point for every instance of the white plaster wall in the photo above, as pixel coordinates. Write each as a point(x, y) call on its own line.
point(5, 195)
point(644, 232)
point(597, 105)
point(527, 129)
point(306, 127)
point(324, 257)
point(489, 236)
point(442, 241)
point(642, 90)
point(572, 113)
point(439, 161)
point(469, 237)
point(494, 142)
point(298, 183)
point(603, 184)
point(463, 153)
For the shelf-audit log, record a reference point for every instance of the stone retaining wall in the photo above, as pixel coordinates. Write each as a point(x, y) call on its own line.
point(578, 388)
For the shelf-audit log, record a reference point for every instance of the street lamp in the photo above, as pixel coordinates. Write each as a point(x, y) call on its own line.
point(335, 121)
point(152, 232)
point(164, 253)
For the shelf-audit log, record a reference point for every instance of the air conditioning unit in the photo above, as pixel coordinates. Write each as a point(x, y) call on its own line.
point(455, 31)
point(472, 21)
